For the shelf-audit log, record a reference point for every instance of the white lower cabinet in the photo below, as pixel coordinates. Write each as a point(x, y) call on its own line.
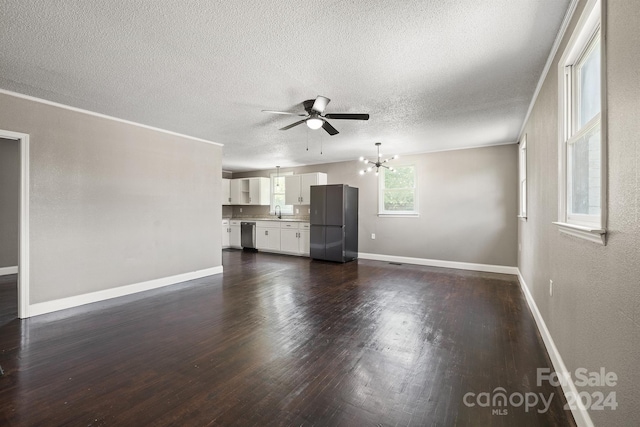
point(289, 240)
point(294, 238)
point(268, 236)
point(305, 231)
point(226, 231)
point(234, 235)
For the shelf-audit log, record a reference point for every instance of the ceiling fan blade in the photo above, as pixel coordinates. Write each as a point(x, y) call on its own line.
point(347, 116)
point(330, 129)
point(320, 104)
point(283, 112)
point(292, 125)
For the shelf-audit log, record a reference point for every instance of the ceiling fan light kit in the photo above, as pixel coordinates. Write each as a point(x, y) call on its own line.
point(315, 117)
point(314, 123)
point(379, 163)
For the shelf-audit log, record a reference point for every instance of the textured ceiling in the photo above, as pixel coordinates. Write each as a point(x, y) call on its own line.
point(433, 75)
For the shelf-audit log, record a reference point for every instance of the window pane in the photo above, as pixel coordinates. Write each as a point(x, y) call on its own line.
point(278, 199)
point(523, 198)
point(278, 195)
point(589, 86)
point(397, 191)
point(403, 177)
point(399, 200)
point(278, 184)
point(585, 173)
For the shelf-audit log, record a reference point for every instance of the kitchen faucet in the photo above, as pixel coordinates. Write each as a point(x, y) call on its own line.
point(278, 211)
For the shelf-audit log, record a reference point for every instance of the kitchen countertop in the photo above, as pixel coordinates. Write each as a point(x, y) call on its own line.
point(270, 219)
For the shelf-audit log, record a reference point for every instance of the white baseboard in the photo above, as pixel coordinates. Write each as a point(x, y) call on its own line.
point(4, 271)
point(439, 263)
point(75, 301)
point(581, 415)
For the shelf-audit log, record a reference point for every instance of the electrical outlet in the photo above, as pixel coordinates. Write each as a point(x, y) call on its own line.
point(240, 210)
point(309, 210)
point(297, 211)
point(373, 236)
point(550, 288)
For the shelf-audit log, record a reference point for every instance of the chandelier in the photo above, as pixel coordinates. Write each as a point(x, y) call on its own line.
point(379, 163)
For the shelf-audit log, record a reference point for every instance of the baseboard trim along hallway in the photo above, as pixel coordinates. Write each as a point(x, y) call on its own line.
point(5, 271)
point(78, 300)
point(580, 414)
point(504, 269)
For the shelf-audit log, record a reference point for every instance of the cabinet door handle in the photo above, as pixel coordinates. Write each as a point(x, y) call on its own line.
point(266, 232)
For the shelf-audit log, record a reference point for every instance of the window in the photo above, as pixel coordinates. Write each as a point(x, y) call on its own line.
point(278, 192)
point(522, 171)
point(582, 186)
point(398, 192)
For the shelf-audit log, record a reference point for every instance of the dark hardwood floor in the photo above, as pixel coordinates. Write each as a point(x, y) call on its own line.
point(8, 298)
point(279, 340)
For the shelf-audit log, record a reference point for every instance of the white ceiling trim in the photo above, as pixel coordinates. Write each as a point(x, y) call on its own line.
point(104, 116)
point(554, 49)
point(470, 147)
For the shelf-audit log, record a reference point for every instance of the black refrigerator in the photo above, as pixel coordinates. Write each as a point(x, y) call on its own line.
point(334, 223)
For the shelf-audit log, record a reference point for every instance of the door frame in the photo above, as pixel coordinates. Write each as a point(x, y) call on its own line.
point(23, 257)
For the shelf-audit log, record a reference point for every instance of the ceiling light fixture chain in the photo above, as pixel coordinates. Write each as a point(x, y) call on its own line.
point(379, 163)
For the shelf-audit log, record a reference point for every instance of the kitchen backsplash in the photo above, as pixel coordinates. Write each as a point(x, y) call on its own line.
point(260, 212)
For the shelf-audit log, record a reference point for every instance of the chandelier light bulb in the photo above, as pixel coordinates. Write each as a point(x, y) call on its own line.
point(361, 172)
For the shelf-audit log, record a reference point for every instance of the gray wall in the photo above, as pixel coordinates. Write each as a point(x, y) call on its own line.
point(467, 201)
point(9, 202)
point(114, 204)
point(594, 313)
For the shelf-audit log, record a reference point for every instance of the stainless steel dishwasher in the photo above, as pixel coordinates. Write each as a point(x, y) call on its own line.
point(248, 235)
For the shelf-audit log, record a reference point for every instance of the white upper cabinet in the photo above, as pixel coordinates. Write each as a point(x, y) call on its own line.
point(292, 189)
point(235, 190)
point(249, 191)
point(298, 187)
point(259, 191)
point(226, 191)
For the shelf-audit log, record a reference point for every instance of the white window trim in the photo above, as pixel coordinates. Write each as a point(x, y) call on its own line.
point(591, 18)
point(391, 214)
point(272, 207)
point(522, 179)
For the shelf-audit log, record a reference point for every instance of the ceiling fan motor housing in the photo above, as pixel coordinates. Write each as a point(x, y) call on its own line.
point(308, 104)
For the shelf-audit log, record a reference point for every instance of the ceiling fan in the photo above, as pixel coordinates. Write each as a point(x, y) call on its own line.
point(315, 119)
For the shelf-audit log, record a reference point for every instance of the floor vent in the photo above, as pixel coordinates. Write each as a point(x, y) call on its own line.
point(395, 263)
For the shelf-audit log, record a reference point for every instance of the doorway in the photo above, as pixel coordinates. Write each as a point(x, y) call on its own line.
point(14, 225)
point(9, 227)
